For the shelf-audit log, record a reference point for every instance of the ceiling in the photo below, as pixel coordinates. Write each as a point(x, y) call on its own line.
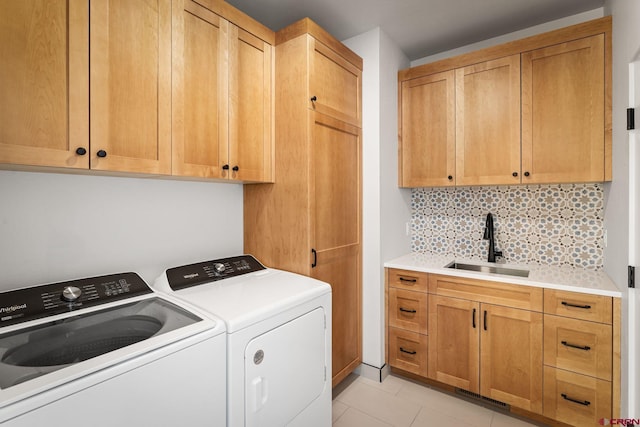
point(419, 27)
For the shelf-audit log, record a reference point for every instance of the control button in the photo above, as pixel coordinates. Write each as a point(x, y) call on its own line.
point(219, 267)
point(70, 293)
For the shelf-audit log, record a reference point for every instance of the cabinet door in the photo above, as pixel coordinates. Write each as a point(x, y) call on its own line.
point(250, 107)
point(200, 91)
point(334, 85)
point(335, 194)
point(511, 356)
point(44, 82)
point(454, 328)
point(130, 84)
point(488, 122)
point(563, 112)
point(427, 131)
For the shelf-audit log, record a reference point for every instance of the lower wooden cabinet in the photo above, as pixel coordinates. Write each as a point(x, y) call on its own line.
point(408, 310)
point(578, 346)
point(487, 349)
point(408, 351)
point(558, 360)
point(511, 356)
point(575, 399)
point(454, 339)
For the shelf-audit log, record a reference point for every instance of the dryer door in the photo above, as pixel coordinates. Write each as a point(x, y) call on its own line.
point(285, 370)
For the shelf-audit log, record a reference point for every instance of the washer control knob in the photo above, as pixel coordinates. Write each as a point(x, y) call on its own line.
point(70, 293)
point(219, 267)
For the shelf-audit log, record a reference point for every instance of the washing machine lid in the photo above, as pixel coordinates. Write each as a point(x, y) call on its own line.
point(243, 297)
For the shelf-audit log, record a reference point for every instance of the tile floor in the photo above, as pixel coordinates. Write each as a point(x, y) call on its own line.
point(360, 402)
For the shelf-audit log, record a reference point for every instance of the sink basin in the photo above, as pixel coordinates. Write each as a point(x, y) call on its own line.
point(489, 269)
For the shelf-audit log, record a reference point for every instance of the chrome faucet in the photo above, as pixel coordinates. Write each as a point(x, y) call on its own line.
point(489, 235)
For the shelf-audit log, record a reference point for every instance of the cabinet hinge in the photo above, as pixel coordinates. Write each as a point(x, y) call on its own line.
point(632, 276)
point(631, 122)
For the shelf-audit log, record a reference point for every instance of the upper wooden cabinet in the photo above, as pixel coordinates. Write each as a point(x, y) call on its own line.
point(62, 107)
point(563, 112)
point(427, 130)
point(335, 80)
point(310, 220)
point(44, 82)
point(488, 122)
point(171, 87)
point(130, 86)
point(222, 97)
point(334, 84)
point(557, 84)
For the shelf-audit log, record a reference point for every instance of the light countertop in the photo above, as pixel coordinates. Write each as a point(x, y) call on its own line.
point(551, 277)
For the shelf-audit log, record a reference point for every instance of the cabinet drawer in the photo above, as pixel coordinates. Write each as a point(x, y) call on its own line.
point(578, 346)
point(408, 310)
point(596, 308)
point(408, 351)
point(505, 294)
point(407, 279)
point(575, 399)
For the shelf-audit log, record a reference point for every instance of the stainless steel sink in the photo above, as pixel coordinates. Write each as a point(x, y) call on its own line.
point(489, 269)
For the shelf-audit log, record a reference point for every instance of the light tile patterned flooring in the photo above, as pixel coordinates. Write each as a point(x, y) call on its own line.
point(360, 402)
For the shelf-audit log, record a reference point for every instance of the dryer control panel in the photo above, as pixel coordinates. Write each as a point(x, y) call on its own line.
point(26, 304)
point(210, 271)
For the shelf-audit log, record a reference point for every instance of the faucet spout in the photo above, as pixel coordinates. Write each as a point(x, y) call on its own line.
point(489, 235)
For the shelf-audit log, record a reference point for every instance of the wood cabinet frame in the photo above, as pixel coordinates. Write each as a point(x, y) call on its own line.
point(600, 26)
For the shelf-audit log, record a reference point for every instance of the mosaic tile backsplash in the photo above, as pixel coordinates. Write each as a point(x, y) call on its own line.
point(544, 224)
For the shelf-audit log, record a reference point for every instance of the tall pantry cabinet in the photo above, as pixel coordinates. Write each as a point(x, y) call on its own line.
point(309, 221)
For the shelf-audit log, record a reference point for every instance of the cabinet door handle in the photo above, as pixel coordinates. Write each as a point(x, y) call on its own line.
point(473, 318)
point(81, 151)
point(404, 310)
point(484, 321)
point(407, 351)
point(314, 98)
point(225, 167)
point(527, 174)
point(315, 258)
point(402, 279)
point(515, 174)
point(568, 304)
point(579, 347)
point(101, 153)
point(450, 177)
point(235, 168)
point(580, 402)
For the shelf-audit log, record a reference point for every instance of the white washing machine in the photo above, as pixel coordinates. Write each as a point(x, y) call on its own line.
point(278, 338)
point(107, 351)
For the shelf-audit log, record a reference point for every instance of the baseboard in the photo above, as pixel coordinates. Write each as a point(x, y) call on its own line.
point(373, 373)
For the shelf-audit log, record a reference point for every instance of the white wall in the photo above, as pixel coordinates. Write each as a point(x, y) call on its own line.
point(626, 49)
point(385, 207)
point(56, 227)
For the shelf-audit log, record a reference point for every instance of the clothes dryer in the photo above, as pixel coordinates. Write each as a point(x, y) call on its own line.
point(278, 338)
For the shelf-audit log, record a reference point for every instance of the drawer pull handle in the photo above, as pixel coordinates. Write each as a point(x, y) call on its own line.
point(579, 402)
point(402, 279)
point(404, 310)
point(579, 347)
point(407, 351)
point(568, 304)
